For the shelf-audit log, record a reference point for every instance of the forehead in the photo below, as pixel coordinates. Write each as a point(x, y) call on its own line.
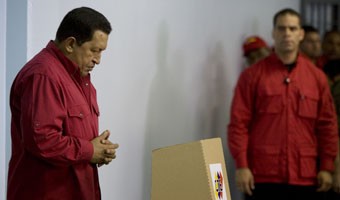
point(312, 35)
point(287, 20)
point(99, 40)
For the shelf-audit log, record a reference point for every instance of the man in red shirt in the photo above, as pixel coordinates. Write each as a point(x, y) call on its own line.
point(55, 144)
point(283, 127)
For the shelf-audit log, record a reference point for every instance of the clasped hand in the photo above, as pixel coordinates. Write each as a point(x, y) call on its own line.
point(104, 149)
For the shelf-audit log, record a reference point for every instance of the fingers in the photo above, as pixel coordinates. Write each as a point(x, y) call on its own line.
point(106, 161)
point(324, 180)
point(110, 148)
point(252, 184)
point(108, 142)
point(109, 151)
point(246, 187)
point(104, 149)
point(247, 190)
point(109, 154)
point(245, 180)
point(249, 187)
point(324, 186)
point(105, 134)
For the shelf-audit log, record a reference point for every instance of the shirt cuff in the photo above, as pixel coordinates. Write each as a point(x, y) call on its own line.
point(86, 150)
point(241, 160)
point(327, 164)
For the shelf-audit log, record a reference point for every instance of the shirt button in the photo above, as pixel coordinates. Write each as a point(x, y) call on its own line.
point(287, 80)
point(86, 84)
point(81, 115)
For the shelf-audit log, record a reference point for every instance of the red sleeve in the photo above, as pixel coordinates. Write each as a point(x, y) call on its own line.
point(42, 118)
point(240, 117)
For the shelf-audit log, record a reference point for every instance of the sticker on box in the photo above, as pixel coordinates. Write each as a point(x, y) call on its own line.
point(218, 181)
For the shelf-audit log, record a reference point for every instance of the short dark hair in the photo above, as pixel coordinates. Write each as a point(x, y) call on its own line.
point(81, 23)
point(285, 12)
point(310, 29)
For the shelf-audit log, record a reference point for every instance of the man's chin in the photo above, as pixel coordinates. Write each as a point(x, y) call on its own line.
point(84, 74)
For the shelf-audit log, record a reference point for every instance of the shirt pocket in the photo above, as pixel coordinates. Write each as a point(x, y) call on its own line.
point(308, 104)
point(265, 161)
point(77, 119)
point(308, 164)
point(79, 111)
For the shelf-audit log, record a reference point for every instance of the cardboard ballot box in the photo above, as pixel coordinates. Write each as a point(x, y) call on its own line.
point(191, 171)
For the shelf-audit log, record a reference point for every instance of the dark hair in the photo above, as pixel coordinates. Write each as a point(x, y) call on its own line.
point(81, 23)
point(310, 29)
point(285, 12)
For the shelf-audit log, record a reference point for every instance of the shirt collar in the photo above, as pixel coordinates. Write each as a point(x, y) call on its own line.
point(276, 59)
point(71, 67)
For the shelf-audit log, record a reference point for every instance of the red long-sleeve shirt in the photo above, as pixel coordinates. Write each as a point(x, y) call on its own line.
point(54, 117)
point(283, 125)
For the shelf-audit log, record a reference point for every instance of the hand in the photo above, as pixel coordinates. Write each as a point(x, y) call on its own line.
point(104, 149)
point(110, 153)
point(324, 181)
point(245, 180)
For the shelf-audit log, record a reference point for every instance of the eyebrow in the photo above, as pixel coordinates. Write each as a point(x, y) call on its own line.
point(290, 27)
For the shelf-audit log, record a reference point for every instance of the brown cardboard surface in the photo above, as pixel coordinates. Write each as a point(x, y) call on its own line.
point(182, 171)
point(213, 153)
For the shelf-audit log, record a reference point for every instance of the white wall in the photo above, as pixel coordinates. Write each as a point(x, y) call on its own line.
point(15, 30)
point(2, 99)
point(167, 76)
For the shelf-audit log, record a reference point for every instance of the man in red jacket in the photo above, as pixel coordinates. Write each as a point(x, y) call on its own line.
point(55, 144)
point(283, 128)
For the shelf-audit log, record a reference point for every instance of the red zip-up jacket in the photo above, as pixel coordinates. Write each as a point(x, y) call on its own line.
point(54, 117)
point(283, 124)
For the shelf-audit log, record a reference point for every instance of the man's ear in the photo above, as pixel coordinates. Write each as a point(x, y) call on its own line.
point(70, 43)
point(302, 34)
